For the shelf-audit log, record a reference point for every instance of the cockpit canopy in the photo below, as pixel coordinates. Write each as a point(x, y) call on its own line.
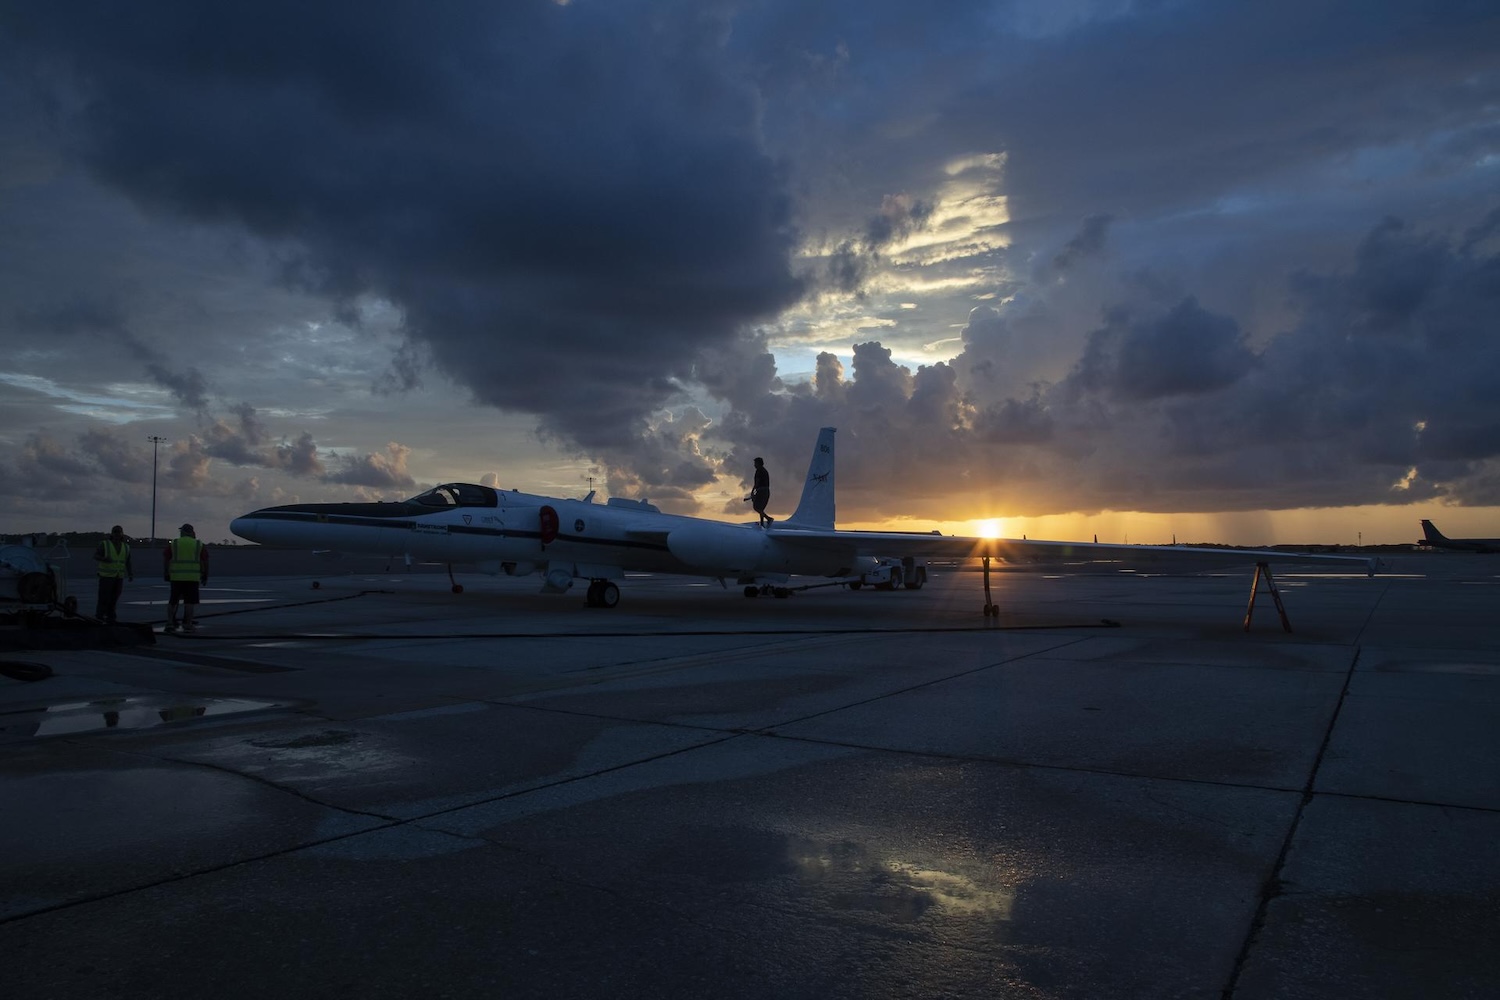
point(456, 495)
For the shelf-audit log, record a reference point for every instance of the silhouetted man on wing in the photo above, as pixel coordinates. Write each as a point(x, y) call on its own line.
point(760, 493)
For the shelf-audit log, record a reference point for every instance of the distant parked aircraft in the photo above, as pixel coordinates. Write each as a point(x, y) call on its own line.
point(1437, 540)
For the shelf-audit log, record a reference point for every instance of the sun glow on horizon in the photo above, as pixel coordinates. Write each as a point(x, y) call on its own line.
point(1365, 525)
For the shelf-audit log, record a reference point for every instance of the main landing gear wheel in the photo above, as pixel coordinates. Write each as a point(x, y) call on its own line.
point(766, 590)
point(992, 611)
point(603, 594)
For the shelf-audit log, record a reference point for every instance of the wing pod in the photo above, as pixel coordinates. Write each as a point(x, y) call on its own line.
point(719, 548)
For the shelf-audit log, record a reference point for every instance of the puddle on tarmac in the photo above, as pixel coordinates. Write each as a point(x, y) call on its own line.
point(855, 877)
point(120, 713)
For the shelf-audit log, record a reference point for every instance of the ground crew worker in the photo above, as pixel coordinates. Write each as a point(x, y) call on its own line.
point(113, 557)
point(184, 566)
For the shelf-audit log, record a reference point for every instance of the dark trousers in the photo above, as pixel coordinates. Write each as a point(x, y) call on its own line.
point(759, 501)
point(110, 588)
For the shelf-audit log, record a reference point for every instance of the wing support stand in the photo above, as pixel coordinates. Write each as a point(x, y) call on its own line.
point(991, 609)
point(1264, 569)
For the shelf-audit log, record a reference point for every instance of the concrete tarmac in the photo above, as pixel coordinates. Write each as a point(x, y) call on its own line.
point(379, 788)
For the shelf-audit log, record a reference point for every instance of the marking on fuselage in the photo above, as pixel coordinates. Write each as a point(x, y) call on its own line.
point(406, 524)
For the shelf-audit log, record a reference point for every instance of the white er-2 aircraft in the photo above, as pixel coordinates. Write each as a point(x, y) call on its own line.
point(563, 540)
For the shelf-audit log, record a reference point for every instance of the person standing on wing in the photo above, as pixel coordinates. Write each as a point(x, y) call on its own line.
point(760, 493)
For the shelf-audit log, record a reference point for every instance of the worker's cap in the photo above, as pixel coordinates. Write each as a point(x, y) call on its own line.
point(186, 529)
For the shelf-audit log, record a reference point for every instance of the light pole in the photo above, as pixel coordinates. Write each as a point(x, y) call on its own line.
point(155, 441)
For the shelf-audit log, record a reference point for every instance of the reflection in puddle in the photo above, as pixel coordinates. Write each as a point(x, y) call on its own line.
point(120, 713)
point(900, 889)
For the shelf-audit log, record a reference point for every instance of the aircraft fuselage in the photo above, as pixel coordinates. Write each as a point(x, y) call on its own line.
point(520, 533)
point(1433, 538)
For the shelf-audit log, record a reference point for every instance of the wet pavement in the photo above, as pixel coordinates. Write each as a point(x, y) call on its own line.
point(380, 788)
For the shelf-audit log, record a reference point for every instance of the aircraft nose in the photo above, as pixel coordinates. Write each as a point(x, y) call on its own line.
point(244, 527)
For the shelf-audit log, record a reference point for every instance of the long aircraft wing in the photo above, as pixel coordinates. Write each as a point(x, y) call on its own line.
point(1182, 558)
point(811, 530)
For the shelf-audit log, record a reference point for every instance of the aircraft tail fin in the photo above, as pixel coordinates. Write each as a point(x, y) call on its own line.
point(1430, 533)
point(816, 508)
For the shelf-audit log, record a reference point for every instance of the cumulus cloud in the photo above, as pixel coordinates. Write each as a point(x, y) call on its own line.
point(1374, 395)
point(387, 470)
point(300, 457)
point(47, 460)
point(117, 458)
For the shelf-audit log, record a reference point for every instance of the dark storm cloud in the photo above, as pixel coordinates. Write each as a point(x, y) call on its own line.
point(672, 461)
point(83, 315)
point(568, 202)
point(1088, 243)
point(1178, 103)
point(188, 386)
point(1014, 421)
point(739, 372)
point(1187, 350)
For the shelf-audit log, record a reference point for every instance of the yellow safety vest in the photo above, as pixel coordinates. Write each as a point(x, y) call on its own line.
point(185, 564)
point(113, 563)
